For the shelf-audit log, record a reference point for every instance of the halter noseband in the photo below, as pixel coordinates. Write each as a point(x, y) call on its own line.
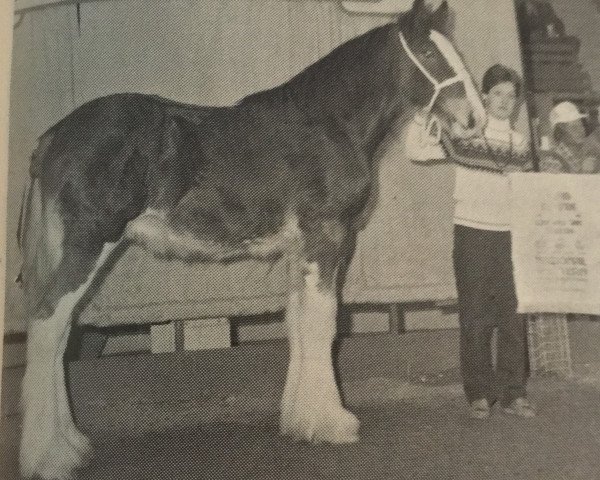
point(461, 75)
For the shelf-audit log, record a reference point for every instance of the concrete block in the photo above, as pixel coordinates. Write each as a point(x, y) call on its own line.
point(162, 338)
point(430, 319)
point(206, 333)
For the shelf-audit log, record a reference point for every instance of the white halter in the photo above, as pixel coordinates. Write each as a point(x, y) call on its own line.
point(461, 75)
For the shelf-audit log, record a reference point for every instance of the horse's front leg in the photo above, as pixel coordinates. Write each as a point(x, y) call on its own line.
point(311, 406)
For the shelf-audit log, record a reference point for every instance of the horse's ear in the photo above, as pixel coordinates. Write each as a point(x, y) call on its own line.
point(439, 18)
point(418, 6)
point(417, 20)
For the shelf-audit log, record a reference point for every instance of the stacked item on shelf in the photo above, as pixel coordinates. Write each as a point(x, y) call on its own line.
point(551, 56)
point(552, 65)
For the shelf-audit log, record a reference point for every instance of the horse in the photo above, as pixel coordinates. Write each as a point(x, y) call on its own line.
point(286, 172)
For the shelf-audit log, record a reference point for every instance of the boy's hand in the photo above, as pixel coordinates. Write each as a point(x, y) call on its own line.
point(458, 131)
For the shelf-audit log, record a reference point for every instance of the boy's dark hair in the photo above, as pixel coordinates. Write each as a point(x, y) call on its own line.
point(499, 74)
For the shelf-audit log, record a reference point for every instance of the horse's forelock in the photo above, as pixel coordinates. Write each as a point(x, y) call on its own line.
point(417, 22)
point(440, 19)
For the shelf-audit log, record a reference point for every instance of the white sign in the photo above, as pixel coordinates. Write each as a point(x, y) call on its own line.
point(556, 242)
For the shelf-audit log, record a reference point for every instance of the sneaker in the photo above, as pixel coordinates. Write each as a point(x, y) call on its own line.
point(479, 409)
point(520, 407)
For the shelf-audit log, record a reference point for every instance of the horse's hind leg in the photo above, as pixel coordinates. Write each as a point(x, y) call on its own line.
point(311, 406)
point(51, 445)
point(292, 319)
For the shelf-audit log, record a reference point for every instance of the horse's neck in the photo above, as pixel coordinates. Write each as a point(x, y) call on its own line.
point(373, 126)
point(360, 97)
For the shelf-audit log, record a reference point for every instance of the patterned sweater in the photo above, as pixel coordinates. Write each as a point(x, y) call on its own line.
point(482, 191)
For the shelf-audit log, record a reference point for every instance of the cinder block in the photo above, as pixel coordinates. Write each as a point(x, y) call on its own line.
point(162, 338)
point(430, 319)
point(370, 322)
point(206, 333)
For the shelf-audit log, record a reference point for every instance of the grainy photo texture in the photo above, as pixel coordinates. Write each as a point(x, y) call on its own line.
point(302, 239)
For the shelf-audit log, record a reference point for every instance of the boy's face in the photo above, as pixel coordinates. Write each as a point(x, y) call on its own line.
point(501, 100)
point(574, 132)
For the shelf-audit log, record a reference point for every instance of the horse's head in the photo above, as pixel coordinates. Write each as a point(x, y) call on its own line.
point(435, 74)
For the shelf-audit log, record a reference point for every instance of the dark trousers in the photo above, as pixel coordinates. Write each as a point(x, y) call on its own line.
point(486, 301)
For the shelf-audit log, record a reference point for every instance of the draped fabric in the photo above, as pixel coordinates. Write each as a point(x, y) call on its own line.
point(214, 52)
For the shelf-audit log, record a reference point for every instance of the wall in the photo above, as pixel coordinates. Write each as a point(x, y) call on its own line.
point(215, 52)
point(41, 94)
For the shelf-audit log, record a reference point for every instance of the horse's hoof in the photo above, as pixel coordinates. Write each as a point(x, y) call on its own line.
point(82, 445)
point(336, 426)
point(61, 461)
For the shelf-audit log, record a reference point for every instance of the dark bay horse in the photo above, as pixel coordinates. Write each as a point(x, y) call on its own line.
point(286, 171)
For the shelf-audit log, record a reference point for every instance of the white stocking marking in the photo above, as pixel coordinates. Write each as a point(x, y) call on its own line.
point(315, 411)
point(292, 318)
point(51, 446)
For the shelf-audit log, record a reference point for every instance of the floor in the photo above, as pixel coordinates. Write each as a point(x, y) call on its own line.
point(413, 421)
point(415, 431)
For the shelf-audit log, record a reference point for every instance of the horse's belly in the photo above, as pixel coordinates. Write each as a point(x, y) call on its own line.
point(153, 232)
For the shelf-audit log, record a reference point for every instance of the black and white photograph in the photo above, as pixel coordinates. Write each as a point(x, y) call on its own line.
point(300, 240)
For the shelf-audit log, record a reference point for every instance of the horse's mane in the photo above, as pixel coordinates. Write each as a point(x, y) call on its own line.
point(350, 74)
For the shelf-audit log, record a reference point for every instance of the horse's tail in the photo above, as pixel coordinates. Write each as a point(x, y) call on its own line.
point(38, 232)
point(25, 208)
point(30, 219)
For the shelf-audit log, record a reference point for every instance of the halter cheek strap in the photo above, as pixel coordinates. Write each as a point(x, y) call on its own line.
point(460, 72)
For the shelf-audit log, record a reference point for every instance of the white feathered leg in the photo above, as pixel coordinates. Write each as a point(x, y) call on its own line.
point(76, 439)
point(51, 446)
point(315, 412)
point(292, 317)
point(45, 450)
